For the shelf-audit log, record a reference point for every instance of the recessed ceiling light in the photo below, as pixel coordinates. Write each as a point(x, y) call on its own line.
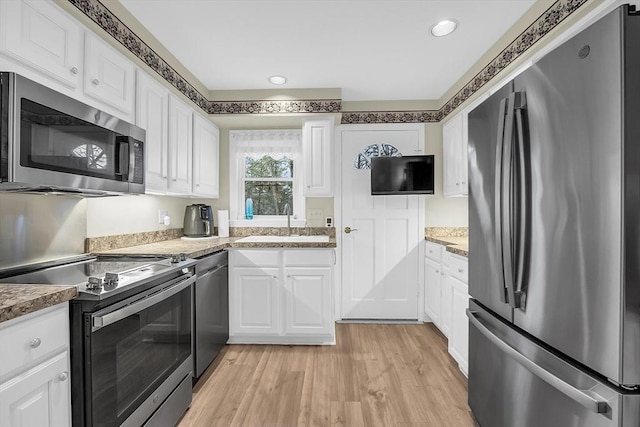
point(277, 80)
point(444, 27)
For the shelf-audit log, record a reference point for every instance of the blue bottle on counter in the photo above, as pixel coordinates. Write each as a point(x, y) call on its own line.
point(248, 208)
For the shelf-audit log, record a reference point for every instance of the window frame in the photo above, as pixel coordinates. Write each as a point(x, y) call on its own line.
point(286, 141)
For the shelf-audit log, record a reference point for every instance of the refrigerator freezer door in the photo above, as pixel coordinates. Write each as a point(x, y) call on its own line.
point(505, 391)
point(486, 129)
point(574, 119)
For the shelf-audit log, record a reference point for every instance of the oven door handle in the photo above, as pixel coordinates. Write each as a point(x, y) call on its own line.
point(100, 321)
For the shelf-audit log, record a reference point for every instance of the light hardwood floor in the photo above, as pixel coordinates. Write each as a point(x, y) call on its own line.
point(376, 375)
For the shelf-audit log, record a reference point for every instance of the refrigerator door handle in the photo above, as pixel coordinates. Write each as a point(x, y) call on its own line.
point(523, 199)
point(498, 212)
point(507, 198)
point(586, 398)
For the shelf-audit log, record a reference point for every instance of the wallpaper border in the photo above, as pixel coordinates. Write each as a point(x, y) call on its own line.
point(109, 22)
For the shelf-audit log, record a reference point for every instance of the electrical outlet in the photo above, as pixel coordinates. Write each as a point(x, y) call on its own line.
point(315, 214)
point(161, 214)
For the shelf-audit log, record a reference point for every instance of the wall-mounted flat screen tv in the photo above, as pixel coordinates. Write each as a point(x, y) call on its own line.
point(402, 175)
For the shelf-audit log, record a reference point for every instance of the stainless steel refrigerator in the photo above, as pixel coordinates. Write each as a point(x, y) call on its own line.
point(554, 223)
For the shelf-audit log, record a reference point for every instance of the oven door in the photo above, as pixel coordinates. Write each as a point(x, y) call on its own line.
point(133, 348)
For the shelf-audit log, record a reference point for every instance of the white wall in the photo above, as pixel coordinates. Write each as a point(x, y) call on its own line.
point(108, 216)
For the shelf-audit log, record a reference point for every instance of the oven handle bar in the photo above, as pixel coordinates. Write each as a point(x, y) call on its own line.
point(98, 322)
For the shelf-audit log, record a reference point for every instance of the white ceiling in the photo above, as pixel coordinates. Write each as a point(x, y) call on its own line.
point(371, 49)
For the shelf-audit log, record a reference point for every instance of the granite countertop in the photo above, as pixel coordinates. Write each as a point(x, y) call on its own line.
point(455, 245)
point(197, 249)
point(18, 300)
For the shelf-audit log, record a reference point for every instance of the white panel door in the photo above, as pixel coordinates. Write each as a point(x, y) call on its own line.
point(459, 331)
point(180, 146)
point(206, 159)
point(308, 300)
point(38, 397)
point(317, 147)
point(151, 115)
point(254, 303)
point(38, 33)
point(109, 76)
point(380, 234)
point(432, 284)
point(453, 158)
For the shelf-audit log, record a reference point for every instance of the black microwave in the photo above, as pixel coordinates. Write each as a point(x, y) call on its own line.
point(51, 142)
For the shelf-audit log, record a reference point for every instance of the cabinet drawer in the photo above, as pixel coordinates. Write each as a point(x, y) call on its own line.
point(30, 339)
point(433, 251)
point(254, 258)
point(309, 257)
point(458, 267)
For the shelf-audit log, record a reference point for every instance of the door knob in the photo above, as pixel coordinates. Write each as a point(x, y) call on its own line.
point(349, 229)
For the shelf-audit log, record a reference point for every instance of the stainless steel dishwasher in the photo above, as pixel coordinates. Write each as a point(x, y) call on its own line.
point(211, 310)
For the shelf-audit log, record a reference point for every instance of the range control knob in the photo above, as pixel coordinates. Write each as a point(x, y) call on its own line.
point(111, 279)
point(95, 283)
point(176, 258)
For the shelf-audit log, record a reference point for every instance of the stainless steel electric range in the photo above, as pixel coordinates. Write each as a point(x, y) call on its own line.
point(130, 336)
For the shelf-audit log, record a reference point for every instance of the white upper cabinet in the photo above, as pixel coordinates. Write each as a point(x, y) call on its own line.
point(109, 76)
point(180, 146)
point(206, 158)
point(454, 153)
point(317, 149)
point(40, 35)
point(152, 115)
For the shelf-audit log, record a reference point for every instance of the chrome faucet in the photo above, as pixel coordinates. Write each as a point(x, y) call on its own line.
point(287, 212)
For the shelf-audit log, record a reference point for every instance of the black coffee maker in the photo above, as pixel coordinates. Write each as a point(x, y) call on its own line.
point(198, 221)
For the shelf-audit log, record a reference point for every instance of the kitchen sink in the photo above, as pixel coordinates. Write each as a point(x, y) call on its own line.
point(283, 239)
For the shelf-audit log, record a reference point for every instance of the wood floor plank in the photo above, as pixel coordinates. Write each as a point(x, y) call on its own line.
point(375, 375)
point(346, 414)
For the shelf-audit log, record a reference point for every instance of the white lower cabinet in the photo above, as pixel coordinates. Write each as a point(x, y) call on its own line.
point(35, 381)
point(281, 296)
point(459, 329)
point(255, 297)
point(307, 295)
point(447, 298)
point(433, 281)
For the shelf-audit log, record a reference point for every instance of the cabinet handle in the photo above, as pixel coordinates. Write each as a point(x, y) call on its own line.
point(288, 276)
point(463, 182)
point(274, 277)
point(460, 270)
point(457, 183)
point(35, 343)
point(74, 70)
point(62, 376)
point(95, 82)
point(437, 271)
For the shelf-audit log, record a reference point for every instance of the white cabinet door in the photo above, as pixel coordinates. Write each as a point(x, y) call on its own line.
point(307, 301)
point(109, 76)
point(453, 183)
point(432, 283)
point(151, 115)
point(317, 143)
point(39, 396)
point(459, 332)
point(445, 306)
point(254, 301)
point(206, 157)
point(180, 146)
point(42, 36)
